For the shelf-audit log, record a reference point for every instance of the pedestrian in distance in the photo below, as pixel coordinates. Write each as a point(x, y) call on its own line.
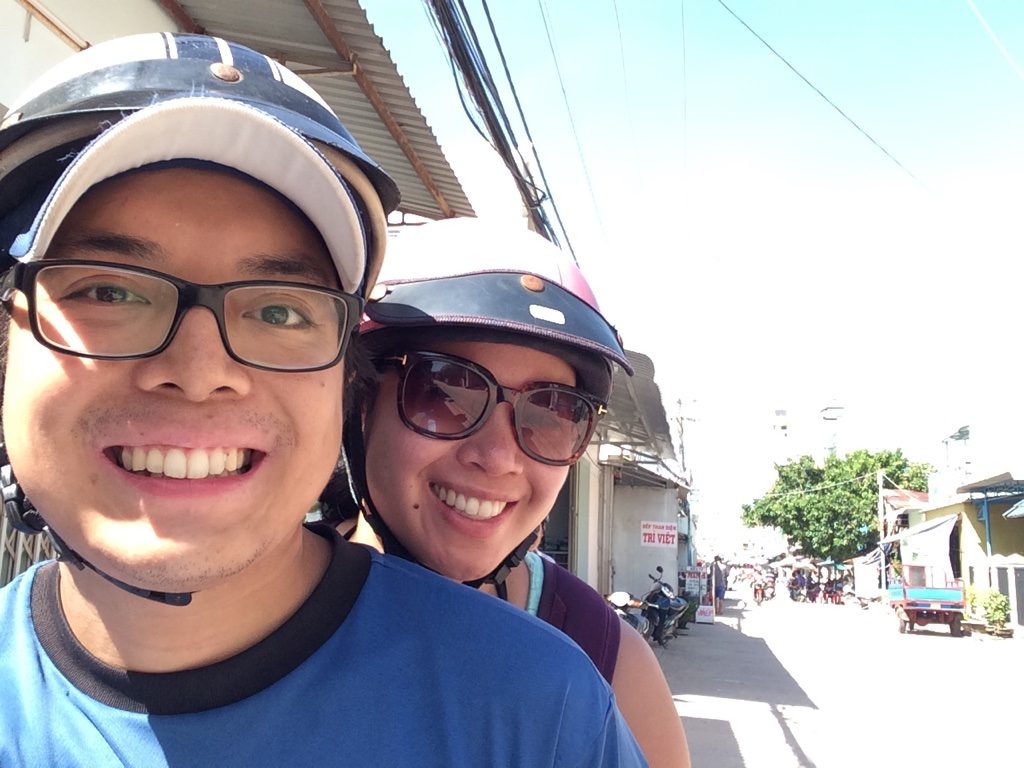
point(720, 577)
point(800, 582)
point(187, 231)
point(493, 368)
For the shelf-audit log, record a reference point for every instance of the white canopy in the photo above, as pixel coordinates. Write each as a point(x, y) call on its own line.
point(946, 522)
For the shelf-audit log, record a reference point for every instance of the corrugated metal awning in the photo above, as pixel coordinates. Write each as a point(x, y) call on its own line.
point(636, 418)
point(631, 473)
point(331, 43)
point(996, 484)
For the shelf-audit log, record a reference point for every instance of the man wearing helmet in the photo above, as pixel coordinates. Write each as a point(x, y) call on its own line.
point(185, 257)
point(494, 366)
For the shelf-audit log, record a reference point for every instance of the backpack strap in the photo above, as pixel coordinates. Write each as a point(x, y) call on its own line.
point(570, 604)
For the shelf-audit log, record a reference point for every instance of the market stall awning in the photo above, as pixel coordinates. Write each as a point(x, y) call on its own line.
point(871, 558)
point(794, 562)
point(946, 521)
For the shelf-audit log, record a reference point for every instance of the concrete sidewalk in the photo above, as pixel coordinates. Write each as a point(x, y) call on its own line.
point(733, 694)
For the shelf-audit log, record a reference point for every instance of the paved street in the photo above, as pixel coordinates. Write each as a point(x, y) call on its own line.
point(825, 686)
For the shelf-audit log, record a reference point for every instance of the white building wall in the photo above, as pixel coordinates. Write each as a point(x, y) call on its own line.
point(632, 561)
point(587, 507)
point(27, 47)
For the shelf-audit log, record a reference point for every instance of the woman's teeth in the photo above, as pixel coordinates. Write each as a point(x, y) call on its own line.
point(190, 463)
point(470, 506)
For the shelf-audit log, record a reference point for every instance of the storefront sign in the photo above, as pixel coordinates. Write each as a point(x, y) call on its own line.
point(694, 580)
point(657, 534)
point(705, 614)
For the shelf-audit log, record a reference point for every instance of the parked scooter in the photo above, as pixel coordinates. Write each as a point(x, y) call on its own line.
point(663, 609)
point(630, 609)
point(769, 587)
point(759, 590)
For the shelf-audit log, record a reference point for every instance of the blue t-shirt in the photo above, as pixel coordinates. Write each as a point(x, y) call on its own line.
point(385, 664)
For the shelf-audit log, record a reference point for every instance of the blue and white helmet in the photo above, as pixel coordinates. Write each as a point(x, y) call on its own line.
point(160, 97)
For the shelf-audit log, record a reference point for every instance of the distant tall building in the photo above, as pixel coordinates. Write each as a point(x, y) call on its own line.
point(985, 448)
point(781, 451)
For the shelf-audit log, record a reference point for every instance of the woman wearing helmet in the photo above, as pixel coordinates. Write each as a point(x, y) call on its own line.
point(469, 317)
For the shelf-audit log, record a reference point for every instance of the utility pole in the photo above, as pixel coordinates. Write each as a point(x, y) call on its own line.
point(685, 503)
point(879, 478)
point(832, 414)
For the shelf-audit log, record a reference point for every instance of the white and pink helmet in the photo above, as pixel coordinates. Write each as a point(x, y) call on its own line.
point(471, 279)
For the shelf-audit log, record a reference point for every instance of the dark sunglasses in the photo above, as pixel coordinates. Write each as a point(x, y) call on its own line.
point(449, 398)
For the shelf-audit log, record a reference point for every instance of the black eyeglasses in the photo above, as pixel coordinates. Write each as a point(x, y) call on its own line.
point(109, 311)
point(450, 398)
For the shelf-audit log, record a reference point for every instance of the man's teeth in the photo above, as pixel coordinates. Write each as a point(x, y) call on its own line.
point(181, 463)
point(469, 505)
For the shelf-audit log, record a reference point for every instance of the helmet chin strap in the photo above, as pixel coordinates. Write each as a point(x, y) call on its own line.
point(355, 458)
point(25, 518)
point(498, 575)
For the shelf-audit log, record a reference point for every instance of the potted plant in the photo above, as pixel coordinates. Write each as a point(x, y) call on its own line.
point(996, 606)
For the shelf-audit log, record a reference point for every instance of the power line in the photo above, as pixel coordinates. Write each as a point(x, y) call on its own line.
point(526, 129)
point(456, 28)
point(460, 87)
point(622, 64)
point(572, 123)
point(806, 491)
point(896, 485)
point(682, 36)
point(815, 88)
point(815, 489)
point(995, 40)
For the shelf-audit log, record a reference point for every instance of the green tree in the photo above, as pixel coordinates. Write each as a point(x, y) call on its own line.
point(832, 509)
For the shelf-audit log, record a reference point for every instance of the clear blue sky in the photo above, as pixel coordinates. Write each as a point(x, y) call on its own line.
point(746, 236)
